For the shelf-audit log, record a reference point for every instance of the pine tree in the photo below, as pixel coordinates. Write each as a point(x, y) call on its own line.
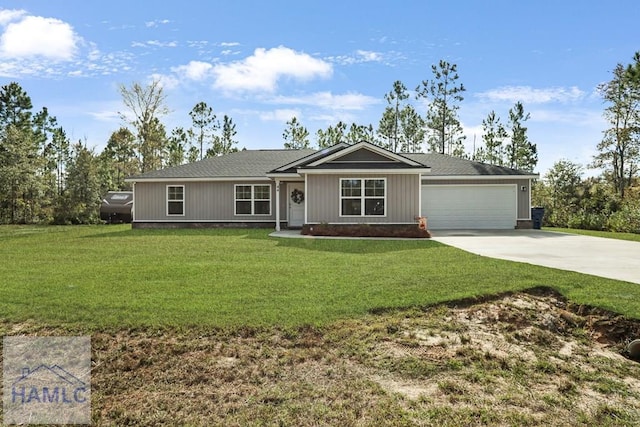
point(412, 125)
point(20, 159)
point(332, 135)
point(445, 131)
point(83, 192)
point(521, 153)
point(119, 158)
point(227, 139)
point(395, 99)
point(494, 136)
point(203, 132)
point(177, 147)
point(295, 135)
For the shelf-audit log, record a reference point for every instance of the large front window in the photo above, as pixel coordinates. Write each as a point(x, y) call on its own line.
point(175, 199)
point(253, 200)
point(362, 196)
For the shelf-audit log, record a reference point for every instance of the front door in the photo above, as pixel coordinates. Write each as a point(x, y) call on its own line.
point(295, 197)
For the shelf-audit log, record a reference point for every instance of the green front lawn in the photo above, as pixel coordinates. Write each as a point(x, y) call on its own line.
point(96, 277)
point(606, 234)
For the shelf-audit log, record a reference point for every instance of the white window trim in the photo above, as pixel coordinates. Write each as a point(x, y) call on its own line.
point(362, 197)
point(167, 200)
point(252, 200)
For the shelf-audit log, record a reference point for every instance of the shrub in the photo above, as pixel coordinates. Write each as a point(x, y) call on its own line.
point(365, 230)
point(588, 221)
point(626, 220)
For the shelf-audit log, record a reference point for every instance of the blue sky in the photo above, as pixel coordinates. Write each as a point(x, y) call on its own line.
point(263, 62)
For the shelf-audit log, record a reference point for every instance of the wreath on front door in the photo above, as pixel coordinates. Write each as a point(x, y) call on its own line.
point(297, 196)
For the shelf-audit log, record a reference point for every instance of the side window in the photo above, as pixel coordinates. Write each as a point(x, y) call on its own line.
point(262, 200)
point(252, 199)
point(175, 199)
point(243, 200)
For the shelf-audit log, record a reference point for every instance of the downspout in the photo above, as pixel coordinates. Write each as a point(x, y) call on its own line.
point(530, 196)
point(419, 194)
point(133, 206)
point(306, 203)
point(277, 204)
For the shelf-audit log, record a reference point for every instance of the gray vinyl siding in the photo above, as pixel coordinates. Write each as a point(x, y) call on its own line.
point(323, 199)
point(203, 201)
point(524, 198)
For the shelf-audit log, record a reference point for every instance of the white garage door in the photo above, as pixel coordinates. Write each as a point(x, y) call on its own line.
point(469, 206)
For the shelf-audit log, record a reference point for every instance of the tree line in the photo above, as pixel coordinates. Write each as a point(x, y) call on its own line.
point(47, 178)
point(611, 200)
point(403, 129)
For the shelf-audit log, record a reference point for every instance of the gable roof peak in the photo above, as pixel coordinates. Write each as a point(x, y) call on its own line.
point(365, 145)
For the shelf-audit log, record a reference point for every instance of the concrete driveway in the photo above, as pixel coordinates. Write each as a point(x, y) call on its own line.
point(611, 258)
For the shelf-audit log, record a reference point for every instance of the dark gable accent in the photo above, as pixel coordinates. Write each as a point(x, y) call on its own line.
point(363, 155)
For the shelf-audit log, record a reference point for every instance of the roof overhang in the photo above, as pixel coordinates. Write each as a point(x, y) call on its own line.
point(284, 176)
point(368, 171)
point(479, 177)
point(212, 179)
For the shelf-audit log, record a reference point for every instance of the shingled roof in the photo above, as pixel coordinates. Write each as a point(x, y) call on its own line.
point(258, 163)
point(241, 164)
point(444, 165)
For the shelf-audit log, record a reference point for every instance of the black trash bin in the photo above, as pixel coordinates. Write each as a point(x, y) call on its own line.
point(537, 214)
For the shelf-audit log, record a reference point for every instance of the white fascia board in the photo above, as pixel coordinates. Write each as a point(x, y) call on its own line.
point(211, 179)
point(267, 218)
point(284, 176)
point(478, 177)
point(415, 171)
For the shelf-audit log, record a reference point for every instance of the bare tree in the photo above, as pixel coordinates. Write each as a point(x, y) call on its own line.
point(146, 104)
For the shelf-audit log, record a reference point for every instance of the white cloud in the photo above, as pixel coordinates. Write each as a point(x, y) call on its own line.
point(7, 15)
point(531, 95)
point(280, 115)
point(364, 56)
point(165, 81)
point(94, 52)
point(38, 36)
point(197, 44)
point(156, 23)
point(263, 70)
point(368, 56)
point(194, 70)
point(229, 44)
point(13, 70)
point(158, 43)
point(154, 43)
point(327, 100)
point(105, 115)
point(228, 52)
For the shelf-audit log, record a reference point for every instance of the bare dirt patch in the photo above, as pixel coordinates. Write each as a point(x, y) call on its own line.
point(521, 359)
